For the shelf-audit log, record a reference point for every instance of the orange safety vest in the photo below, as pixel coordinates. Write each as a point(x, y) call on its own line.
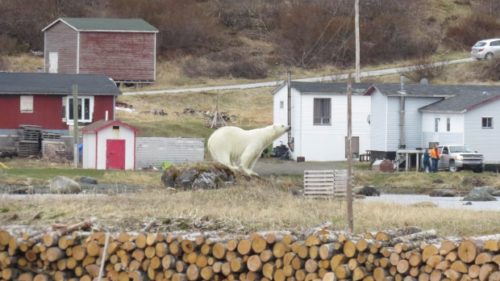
point(435, 153)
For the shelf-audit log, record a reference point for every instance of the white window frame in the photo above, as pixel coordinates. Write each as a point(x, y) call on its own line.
point(26, 104)
point(69, 104)
point(490, 123)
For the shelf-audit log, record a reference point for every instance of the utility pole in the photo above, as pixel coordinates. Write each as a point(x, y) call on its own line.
point(289, 107)
point(75, 126)
point(350, 220)
point(356, 31)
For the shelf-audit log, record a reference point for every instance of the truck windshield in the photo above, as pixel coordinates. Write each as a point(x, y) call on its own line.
point(454, 149)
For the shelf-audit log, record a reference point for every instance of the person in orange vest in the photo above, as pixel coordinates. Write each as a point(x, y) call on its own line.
point(435, 157)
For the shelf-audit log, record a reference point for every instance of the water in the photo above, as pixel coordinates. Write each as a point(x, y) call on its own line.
point(443, 202)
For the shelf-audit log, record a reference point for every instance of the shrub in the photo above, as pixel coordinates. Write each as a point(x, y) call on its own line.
point(8, 45)
point(226, 63)
point(184, 25)
point(4, 64)
point(470, 30)
point(490, 70)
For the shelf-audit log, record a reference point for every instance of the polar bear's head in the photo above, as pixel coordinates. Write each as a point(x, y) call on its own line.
point(280, 129)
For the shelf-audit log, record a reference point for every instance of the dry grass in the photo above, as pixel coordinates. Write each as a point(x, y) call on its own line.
point(249, 108)
point(25, 63)
point(240, 209)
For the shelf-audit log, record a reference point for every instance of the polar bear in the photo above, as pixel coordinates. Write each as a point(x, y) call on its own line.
point(240, 149)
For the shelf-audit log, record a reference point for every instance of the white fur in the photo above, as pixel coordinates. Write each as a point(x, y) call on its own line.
point(240, 149)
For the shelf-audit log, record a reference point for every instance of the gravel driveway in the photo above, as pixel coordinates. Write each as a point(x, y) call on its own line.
point(272, 166)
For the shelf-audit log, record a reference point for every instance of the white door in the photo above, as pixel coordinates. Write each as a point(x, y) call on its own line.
point(53, 62)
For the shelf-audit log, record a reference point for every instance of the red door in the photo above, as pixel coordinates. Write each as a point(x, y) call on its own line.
point(115, 154)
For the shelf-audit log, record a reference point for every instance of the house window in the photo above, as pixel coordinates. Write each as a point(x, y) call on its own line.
point(26, 104)
point(487, 122)
point(85, 109)
point(448, 124)
point(322, 111)
point(282, 104)
point(436, 124)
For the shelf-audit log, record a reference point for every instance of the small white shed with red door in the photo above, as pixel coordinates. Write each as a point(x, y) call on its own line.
point(109, 144)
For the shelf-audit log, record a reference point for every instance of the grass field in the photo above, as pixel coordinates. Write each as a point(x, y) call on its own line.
point(243, 208)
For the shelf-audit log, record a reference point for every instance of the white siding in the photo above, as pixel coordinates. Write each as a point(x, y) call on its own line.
point(378, 122)
point(327, 142)
point(89, 151)
point(153, 151)
point(392, 137)
point(454, 136)
point(413, 121)
point(484, 140)
point(280, 115)
point(109, 134)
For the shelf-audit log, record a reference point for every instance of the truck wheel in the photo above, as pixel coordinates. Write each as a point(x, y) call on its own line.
point(452, 167)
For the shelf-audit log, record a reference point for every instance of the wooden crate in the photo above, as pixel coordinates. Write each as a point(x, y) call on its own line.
point(325, 183)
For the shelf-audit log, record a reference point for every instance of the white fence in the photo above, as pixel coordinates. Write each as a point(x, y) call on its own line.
point(153, 151)
point(325, 183)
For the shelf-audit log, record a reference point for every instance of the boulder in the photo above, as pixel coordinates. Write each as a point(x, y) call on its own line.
point(64, 185)
point(205, 180)
point(87, 180)
point(169, 176)
point(496, 192)
point(368, 191)
point(443, 193)
point(186, 178)
point(479, 194)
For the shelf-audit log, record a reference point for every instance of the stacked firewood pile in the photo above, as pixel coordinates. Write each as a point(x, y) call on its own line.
point(322, 255)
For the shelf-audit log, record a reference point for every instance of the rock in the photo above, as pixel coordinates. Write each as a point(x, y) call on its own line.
point(87, 180)
point(61, 184)
point(479, 194)
point(205, 180)
point(383, 166)
point(468, 203)
point(443, 193)
point(169, 176)
point(186, 178)
point(368, 191)
point(495, 193)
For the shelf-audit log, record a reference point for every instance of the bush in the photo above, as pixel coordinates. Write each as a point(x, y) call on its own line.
point(4, 64)
point(470, 30)
point(490, 70)
point(184, 25)
point(8, 45)
point(231, 62)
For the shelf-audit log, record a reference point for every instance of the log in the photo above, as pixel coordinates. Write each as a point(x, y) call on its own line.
point(485, 271)
point(359, 273)
point(219, 251)
point(192, 272)
point(54, 253)
point(207, 273)
point(259, 244)
point(349, 249)
point(244, 247)
point(428, 251)
point(342, 272)
point(254, 263)
point(467, 251)
point(483, 258)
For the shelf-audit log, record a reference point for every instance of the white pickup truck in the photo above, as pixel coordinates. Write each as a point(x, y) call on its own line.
point(458, 157)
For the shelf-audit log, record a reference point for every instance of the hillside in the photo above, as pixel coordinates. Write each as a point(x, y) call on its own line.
point(215, 42)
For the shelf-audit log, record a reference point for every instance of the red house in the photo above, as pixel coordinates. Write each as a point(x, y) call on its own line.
point(123, 49)
point(45, 100)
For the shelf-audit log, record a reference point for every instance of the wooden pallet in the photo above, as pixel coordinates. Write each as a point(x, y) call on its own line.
point(325, 183)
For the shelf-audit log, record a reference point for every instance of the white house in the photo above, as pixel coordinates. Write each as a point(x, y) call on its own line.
point(319, 119)
point(418, 115)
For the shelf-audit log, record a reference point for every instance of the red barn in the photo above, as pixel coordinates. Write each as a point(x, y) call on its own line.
point(45, 100)
point(123, 49)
